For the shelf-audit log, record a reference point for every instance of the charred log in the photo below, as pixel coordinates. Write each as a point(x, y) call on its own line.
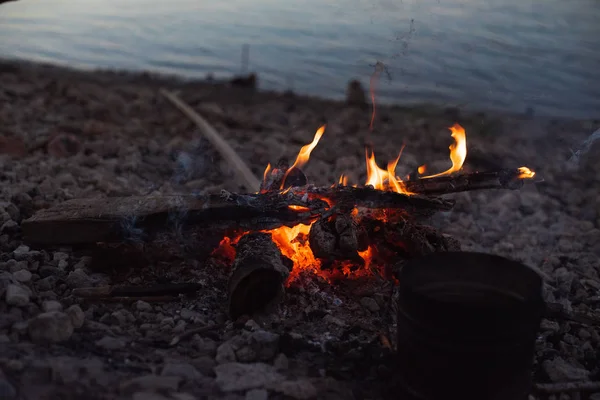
point(258, 274)
point(501, 179)
point(338, 237)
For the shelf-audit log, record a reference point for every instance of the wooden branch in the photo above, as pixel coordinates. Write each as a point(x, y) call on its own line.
point(258, 274)
point(244, 173)
point(114, 219)
point(501, 179)
point(376, 199)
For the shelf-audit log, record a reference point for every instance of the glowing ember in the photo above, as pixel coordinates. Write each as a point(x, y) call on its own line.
point(458, 151)
point(525, 173)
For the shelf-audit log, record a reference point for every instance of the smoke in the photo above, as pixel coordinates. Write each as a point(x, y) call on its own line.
point(192, 163)
point(132, 233)
point(574, 163)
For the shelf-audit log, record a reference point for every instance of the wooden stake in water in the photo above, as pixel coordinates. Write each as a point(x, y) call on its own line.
point(245, 58)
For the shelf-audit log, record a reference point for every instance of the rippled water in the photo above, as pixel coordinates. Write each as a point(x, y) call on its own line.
point(491, 54)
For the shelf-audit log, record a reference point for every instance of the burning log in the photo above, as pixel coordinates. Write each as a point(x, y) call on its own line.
point(502, 179)
point(258, 274)
point(337, 238)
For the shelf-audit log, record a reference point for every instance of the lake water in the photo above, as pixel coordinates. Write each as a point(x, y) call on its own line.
point(484, 54)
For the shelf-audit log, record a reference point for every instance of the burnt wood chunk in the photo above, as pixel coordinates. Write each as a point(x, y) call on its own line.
point(337, 238)
point(258, 275)
point(462, 182)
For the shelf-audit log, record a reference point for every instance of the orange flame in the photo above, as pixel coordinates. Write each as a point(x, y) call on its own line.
point(343, 180)
point(266, 173)
point(458, 151)
point(304, 154)
point(525, 173)
point(422, 169)
point(383, 179)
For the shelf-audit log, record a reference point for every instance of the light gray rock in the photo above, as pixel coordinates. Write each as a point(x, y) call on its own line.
point(77, 316)
point(50, 327)
point(225, 353)
point(21, 251)
point(558, 370)
point(78, 279)
point(183, 370)
point(301, 389)
point(22, 275)
point(370, 304)
point(141, 305)
point(51, 305)
point(257, 394)
point(233, 377)
point(17, 295)
point(150, 383)
point(111, 343)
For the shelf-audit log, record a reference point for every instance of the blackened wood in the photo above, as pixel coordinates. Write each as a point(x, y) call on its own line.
point(258, 275)
point(114, 219)
point(368, 197)
point(337, 238)
point(500, 179)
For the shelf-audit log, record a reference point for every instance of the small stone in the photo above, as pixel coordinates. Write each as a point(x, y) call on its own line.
point(21, 250)
point(60, 256)
point(22, 275)
point(330, 319)
point(111, 343)
point(558, 370)
point(233, 377)
point(225, 353)
point(205, 365)
point(9, 227)
point(301, 389)
point(148, 396)
point(183, 370)
point(16, 296)
point(549, 326)
point(77, 316)
point(265, 344)
point(257, 394)
point(141, 305)
point(51, 305)
point(50, 327)
point(150, 383)
point(281, 362)
point(370, 304)
point(78, 279)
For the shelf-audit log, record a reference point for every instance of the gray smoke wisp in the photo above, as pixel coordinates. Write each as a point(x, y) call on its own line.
point(574, 163)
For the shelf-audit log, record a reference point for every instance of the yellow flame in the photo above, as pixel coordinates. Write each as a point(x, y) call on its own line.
point(525, 173)
point(383, 179)
point(458, 151)
point(343, 180)
point(304, 154)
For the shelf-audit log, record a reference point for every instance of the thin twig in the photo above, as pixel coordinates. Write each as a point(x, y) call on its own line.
point(229, 154)
point(558, 311)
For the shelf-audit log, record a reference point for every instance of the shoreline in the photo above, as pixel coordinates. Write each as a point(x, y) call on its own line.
point(154, 79)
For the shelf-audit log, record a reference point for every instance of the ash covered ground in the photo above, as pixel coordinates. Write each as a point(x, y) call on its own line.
point(68, 134)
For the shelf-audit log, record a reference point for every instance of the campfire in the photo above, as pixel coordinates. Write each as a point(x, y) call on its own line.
point(289, 231)
point(347, 230)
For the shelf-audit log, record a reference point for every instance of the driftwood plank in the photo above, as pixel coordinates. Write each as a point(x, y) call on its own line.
point(87, 221)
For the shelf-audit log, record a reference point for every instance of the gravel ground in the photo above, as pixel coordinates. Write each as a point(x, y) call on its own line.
point(68, 134)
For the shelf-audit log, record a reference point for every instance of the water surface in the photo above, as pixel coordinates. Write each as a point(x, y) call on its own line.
point(484, 54)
